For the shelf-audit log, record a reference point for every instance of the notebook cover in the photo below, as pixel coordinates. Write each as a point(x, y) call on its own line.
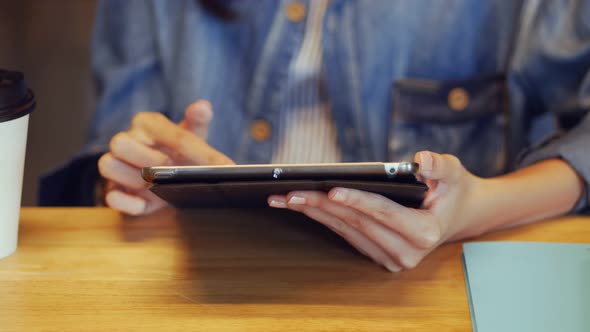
point(525, 286)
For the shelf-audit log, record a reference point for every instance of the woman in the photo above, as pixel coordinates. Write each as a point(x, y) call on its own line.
point(327, 81)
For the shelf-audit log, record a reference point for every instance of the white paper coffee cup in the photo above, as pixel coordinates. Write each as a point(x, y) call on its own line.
point(16, 102)
point(13, 141)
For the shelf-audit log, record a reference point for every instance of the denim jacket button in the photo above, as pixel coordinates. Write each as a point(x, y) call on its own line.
point(458, 99)
point(260, 130)
point(295, 11)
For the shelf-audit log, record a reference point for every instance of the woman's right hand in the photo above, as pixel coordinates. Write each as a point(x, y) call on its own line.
point(154, 140)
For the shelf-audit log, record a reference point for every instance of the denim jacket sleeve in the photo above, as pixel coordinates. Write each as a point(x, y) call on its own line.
point(553, 62)
point(128, 80)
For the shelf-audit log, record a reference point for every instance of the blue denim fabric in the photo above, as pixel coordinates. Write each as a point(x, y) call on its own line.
point(389, 67)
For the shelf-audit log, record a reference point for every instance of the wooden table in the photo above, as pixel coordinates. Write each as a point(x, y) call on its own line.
point(92, 269)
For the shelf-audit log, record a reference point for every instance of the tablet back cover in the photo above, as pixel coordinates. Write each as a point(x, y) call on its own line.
point(255, 194)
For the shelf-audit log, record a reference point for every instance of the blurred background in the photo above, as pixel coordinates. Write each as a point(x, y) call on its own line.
point(49, 41)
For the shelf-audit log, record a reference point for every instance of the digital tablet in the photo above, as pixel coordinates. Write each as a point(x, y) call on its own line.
point(250, 185)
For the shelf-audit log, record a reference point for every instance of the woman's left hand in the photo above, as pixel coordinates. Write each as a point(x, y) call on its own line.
point(395, 236)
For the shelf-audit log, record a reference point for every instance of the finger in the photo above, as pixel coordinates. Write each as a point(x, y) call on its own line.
point(197, 117)
point(140, 204)
point(139, 135)
point(179, 140)
point(396, 246)
point(121, 173)
point(354, 237)
point(153, 202)
point(415, 225)
point(441, 167)
point(126, 148)
point(126, 203)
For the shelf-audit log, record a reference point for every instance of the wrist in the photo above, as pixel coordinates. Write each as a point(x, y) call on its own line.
point(541, 191)
point(476, 208)
point(494, 205)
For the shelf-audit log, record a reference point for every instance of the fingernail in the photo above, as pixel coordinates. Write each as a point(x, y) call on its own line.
point(391, 267)
point(138, 206)
point(339, 196)
point(199, 111)
point(297, 200)
point(205, 106)
point(425, 162)
point(204, 114)
point(277, 204)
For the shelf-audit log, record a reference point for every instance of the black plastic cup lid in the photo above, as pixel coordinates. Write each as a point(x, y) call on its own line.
point(16, 100)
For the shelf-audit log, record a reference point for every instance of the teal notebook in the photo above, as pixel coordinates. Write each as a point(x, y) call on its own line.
point(520, 286)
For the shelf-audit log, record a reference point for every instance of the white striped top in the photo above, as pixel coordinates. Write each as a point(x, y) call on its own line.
point(307, 131)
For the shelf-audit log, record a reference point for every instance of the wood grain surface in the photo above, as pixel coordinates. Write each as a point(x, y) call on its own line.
point(233, 270)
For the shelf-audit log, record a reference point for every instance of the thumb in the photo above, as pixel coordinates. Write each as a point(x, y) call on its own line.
point(439, 167)
point(197, 117)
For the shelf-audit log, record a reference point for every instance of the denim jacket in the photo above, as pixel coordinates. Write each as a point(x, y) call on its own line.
point(499, 84)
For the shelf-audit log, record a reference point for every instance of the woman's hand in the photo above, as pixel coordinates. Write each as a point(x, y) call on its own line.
point(395, 236)
point(153, 140)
